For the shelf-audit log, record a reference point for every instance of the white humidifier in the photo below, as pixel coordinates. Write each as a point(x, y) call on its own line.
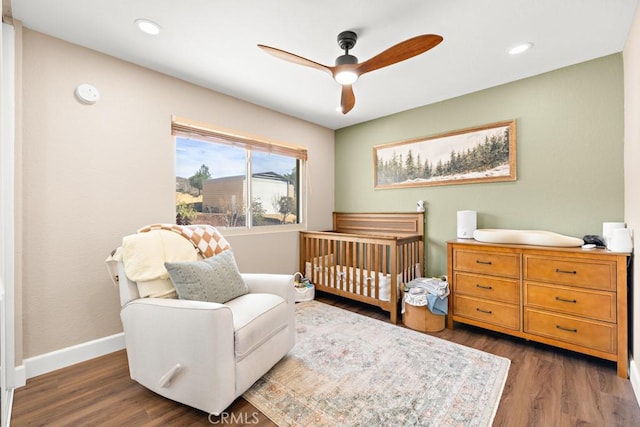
point(467, 223)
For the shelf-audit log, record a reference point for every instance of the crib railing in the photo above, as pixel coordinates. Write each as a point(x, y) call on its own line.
point(355, 265)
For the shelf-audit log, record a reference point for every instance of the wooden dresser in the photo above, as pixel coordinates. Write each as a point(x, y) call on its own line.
point(571, 298)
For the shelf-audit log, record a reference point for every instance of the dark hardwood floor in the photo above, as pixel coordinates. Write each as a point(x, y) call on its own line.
point(545, 387)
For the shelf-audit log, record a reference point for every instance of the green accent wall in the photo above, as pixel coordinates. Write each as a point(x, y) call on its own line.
point(569, 130)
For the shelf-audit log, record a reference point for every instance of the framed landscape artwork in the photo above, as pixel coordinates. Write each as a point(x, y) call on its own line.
point(480, 154)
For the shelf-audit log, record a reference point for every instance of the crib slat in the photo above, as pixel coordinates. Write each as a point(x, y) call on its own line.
point(334, 265)
point(363, 268)
point(366, 267)
point(394, 284)
point(343, 271)
point(331, 270)
point(322, 253)
point(410, 259)
point(352, 261)
point(318, 260)
point(376, 272)
point(404, 256)
point(385, 258)
point(342, 247)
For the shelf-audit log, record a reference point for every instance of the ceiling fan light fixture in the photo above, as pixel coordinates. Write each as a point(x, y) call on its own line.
point(147, 26)
point(347, 75)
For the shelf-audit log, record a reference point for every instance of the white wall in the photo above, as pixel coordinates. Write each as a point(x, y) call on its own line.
point(631, 56)
point(7, 220)
point(268, 191)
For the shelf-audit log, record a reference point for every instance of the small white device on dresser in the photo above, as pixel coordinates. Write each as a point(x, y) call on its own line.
point(620, 240)
point(467, 223)
point(617, 237)
point(607, 230)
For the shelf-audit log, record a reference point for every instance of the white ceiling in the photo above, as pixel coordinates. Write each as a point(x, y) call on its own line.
point(213, 43)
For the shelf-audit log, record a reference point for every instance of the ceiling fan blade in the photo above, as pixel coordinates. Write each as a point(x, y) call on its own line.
point(295, 58)
point(400, 52)
point(348, 99)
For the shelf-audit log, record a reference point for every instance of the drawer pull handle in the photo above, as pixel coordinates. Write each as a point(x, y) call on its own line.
point(566, 329)
point(483, 311)
point(483, 262)
point(566, 271)
point(483, 286)
point(566, 300)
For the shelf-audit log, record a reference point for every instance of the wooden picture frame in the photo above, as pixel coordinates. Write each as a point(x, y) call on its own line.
point(479, 154)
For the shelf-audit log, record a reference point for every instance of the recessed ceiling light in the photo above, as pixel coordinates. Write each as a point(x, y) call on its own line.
point(147, 26)
point(520, 48)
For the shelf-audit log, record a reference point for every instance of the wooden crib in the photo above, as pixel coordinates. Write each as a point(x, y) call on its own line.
point(366, 257)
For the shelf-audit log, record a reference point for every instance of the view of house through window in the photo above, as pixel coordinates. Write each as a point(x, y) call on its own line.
point(235, 185)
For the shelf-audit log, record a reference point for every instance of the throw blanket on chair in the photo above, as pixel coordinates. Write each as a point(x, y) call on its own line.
point(205, 238)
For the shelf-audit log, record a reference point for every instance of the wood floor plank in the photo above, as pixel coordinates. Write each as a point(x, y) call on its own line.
point(545, 387)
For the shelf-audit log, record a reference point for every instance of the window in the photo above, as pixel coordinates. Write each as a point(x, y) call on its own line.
point(230, 180)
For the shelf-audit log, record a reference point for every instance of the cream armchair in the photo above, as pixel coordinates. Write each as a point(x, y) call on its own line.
point(206, 354)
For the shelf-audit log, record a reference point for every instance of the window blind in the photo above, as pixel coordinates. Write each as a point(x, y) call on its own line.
point(191, 129)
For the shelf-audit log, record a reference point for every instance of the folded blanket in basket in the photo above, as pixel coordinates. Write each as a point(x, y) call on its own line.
point(430, 292)
point(437, 305)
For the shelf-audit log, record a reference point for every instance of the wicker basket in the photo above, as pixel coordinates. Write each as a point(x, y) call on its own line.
point(420, 318)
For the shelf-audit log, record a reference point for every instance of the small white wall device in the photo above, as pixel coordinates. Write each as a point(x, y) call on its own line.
point(467, 223)
point(87, 94)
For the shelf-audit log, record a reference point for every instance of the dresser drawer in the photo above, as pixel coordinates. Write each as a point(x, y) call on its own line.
point(598, 305)
point(504, 315)
point(586, 333)
point(593, 274)
point(486, 262)
point(487, 287)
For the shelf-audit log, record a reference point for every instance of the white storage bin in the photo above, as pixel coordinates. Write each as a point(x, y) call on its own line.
point(305, 291)
point(305, 294)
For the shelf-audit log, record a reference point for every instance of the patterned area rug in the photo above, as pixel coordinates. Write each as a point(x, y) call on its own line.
point(347, 369)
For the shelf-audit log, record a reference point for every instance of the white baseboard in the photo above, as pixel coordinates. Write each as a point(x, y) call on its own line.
point(19, 377)
point(634, 377)
point(48, 362)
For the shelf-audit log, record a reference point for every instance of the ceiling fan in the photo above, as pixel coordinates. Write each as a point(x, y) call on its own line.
point(347, 69)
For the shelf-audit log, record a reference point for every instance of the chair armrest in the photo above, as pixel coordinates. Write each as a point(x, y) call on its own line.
point(176, 316)
point(279, 284)
point(177, 303)
point(157, 322)
point(161, 334)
